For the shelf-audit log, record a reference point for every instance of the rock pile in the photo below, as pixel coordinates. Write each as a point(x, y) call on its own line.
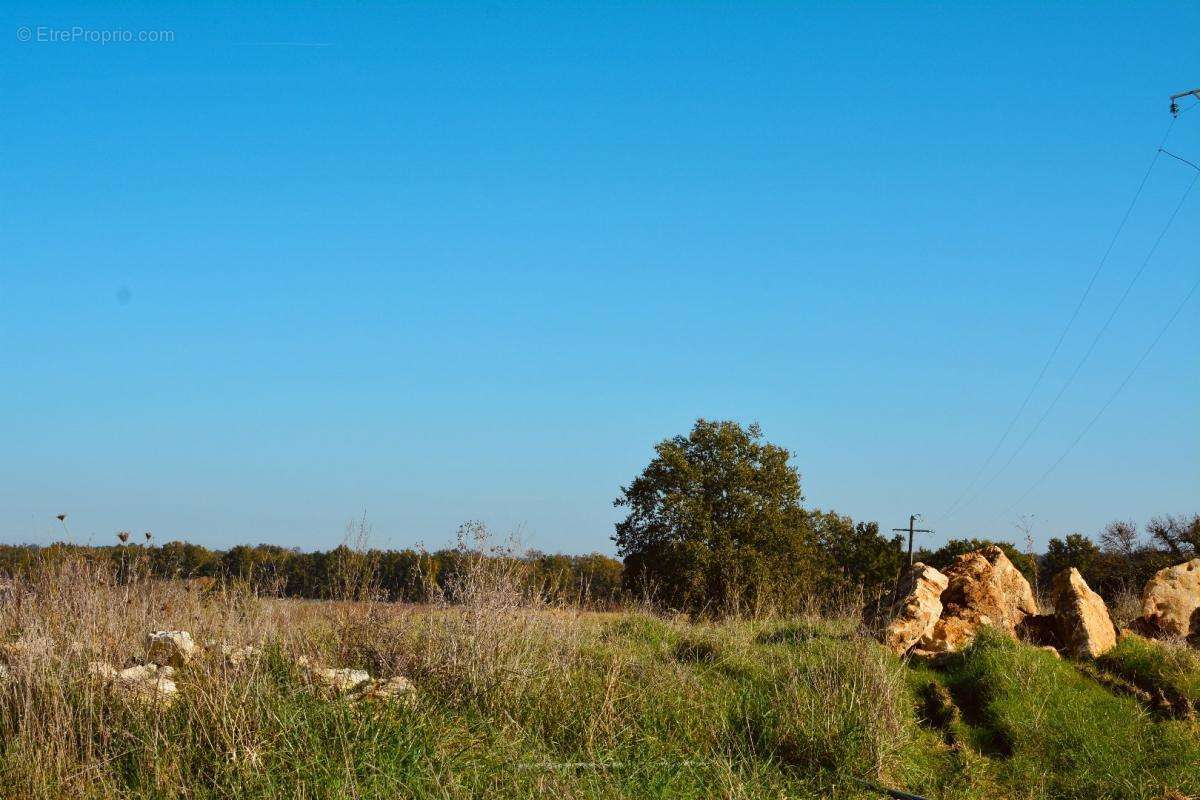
point(942, 612)
point(983, 588)
point(152, 682)
point(357, 684)
point(145, 683)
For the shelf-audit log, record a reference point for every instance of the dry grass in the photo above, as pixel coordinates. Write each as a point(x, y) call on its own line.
point(516, 698)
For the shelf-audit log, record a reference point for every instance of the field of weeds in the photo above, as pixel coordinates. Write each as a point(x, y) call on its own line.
point(517, 699)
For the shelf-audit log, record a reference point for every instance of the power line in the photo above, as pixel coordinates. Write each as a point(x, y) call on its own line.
point(1091, 347)
point(1179, 158)
point(1067, 328)
point(1112, 397)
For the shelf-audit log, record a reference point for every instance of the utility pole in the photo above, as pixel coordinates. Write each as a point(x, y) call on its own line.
point(912, 520)
point(1176, 97)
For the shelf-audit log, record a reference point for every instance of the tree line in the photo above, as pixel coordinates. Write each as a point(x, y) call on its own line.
point(715, 524)
point(344, 572)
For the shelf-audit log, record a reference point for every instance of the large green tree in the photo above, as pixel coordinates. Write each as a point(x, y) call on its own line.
point(714, 522)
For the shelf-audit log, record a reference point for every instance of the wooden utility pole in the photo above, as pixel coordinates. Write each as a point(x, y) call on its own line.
point(912, 521)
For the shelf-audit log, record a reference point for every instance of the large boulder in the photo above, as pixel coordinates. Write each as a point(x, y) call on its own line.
point(917, 611)
point(1085, 630)
point(1171, 600)
point(984, 588)
point(175, 648)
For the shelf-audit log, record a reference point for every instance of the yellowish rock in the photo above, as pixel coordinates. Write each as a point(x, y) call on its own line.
point(984, 588)
point(1085, 629)
point(175, 648)
point(142, 683)
point(397, 689)
point(1171, 599)
point(916, 613)
point(239, 656)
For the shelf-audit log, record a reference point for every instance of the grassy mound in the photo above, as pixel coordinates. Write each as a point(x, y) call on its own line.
point(1170, 674)
point(1055, 733)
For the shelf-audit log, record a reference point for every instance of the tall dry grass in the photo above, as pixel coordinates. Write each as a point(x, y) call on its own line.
point(516, 696)
point(485, 634)
point(59, 725)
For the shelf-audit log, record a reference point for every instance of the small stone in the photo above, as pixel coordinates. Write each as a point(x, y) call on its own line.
point(239, 656)
point(336, 679)
point(170, 647)
point(143, 683)
point(397, 689)
point(102, 670)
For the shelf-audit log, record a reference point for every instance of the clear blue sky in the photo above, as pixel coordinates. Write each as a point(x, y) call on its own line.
point(442, 262)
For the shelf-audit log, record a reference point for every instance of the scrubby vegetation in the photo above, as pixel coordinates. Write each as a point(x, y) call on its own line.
point(517, 697)
point(727, 656)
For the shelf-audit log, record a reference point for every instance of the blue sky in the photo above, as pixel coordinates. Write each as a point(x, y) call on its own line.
point(442, 262)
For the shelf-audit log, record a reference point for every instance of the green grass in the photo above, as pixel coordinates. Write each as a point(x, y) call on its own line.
point(609, 706)
point(1050, 731)
point(1169, 673)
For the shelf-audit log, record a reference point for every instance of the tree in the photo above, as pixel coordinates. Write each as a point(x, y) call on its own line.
point(1120, 538)
point(1180, 536)
point(856, 558)
point(1119, 547)
point(714, 521)
point(1077, 551)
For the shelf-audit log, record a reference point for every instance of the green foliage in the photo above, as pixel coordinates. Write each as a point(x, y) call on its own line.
point(1077, 551)
point(855, 560)
point(714, 522)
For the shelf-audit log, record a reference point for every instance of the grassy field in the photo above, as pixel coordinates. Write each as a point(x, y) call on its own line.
point(516, 699)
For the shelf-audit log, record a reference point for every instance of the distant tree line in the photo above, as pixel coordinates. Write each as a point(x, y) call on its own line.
point(834, 561)
point(344, 572)
point(714, 525)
